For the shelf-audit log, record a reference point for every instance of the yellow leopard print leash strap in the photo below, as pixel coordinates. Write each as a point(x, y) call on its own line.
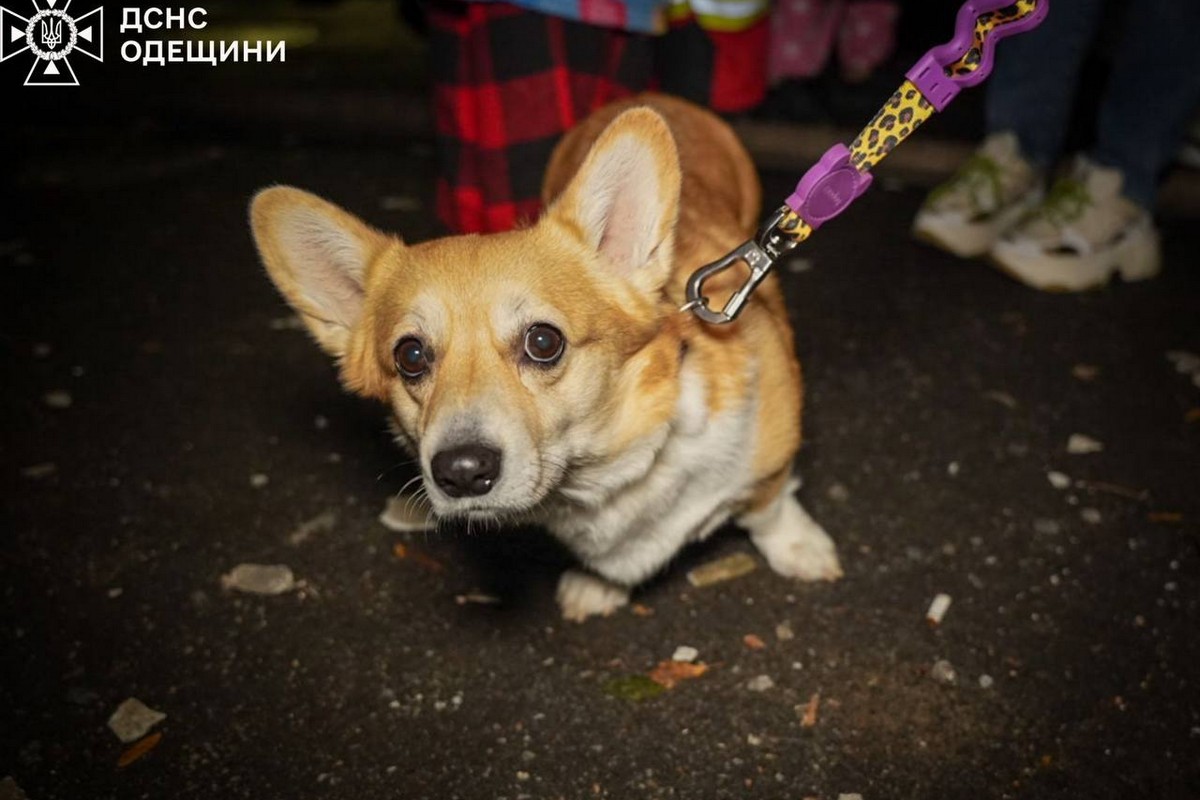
point(844, 173)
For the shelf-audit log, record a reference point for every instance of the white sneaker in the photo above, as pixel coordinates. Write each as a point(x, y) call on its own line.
point(987, 196)
point(1081, 234)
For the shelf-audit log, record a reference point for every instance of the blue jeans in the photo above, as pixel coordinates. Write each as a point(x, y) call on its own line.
point(1152, 91)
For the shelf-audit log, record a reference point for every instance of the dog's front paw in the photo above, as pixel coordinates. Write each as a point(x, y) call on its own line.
point(808, 557)
point(581, 595)
point(795, 545)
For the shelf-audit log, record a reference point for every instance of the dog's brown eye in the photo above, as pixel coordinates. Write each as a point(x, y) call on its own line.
point(544, 343)
point(412, 357)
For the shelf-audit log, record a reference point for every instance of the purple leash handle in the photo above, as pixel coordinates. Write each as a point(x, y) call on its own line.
point(836, 181)
point(929, 73)
point(833, 183)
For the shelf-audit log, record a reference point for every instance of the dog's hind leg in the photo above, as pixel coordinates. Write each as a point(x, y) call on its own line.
point(792, 542)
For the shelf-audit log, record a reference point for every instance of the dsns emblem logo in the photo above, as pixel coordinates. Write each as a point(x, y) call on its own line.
point(52, 36)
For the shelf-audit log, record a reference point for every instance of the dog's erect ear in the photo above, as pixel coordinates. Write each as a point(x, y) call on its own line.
point(317, 255)
point(624, 200)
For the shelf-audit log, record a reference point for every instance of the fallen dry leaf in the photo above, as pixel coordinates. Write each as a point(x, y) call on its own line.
point(405, 553)
point(1165, 516)
point(809, 718)
point(140, 749)
point(668, 673)
point(753, 642)
point(640, 610)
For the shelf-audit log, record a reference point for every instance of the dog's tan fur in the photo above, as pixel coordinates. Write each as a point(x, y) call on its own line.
point(639, 195)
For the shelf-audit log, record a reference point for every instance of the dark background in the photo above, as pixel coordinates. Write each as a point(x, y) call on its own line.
point(939, 396)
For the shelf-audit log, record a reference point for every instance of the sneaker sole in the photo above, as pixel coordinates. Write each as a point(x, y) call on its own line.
point(969, 239)
point(1136, 259)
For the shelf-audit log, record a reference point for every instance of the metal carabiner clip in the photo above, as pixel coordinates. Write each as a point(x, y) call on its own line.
point(759, 254)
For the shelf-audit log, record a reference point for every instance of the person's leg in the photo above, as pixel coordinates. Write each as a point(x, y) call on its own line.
point(507, 83)
point(1033, 84)
point(867, 37)
point(717, 64)
point(802, 37)
point(1152, 93)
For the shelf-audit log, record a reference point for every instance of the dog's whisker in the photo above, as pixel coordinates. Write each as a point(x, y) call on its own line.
point(405, 463)
point(407, 484)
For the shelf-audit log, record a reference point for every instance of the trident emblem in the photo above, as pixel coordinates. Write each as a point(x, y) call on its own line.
point(52, 33)
point(51, 36)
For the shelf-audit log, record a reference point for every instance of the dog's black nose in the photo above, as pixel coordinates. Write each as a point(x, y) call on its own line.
point(466, 470)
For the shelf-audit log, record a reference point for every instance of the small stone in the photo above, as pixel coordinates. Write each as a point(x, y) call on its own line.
point(320, 422)
point(1079, 445)
point(1090, 515)
point(267, 579)
point(1085, 372)
point(1046, 527)
point(784, 632)
point(115, 592)
point(986, 681)
point(952, 469)
point(685, 654)
point(838, 493)
point(258, 480)
point(799, 265)
point(850, 796)
point(522, 775)
point(58, 399)
point(133, 719)
point(760, 683)
point(1058, 480)
point(943, 672)
point(752, 740)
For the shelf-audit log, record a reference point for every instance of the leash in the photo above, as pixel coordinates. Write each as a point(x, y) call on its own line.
point(842, 175)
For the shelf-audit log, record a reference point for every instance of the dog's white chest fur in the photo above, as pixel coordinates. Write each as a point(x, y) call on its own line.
point(631, 517)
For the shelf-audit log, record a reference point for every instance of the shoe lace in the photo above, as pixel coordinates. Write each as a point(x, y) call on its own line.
point(979, 175)
point(1066, 201)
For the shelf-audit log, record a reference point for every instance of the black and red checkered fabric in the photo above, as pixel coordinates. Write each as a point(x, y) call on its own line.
point(509, 82)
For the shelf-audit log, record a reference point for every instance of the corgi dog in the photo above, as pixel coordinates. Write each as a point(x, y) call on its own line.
point(547, 374)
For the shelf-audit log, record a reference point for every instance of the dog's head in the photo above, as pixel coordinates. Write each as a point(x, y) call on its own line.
point(516, 364)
